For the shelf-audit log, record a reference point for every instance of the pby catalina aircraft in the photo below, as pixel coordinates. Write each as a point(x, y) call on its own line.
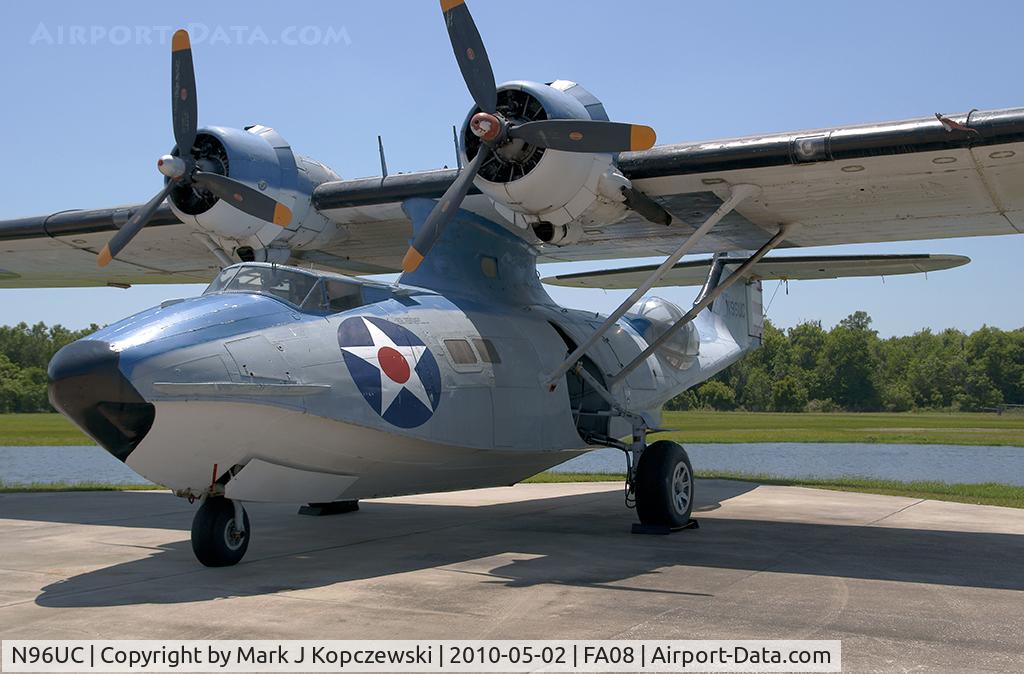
point(292, 380)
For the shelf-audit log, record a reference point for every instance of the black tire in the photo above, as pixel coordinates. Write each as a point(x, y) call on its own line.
point(660, 500)
point(214, 540)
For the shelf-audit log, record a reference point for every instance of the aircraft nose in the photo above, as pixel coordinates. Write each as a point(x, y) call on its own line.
point(87, 386)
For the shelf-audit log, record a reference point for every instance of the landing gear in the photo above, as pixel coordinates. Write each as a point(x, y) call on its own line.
point(217, 538)
point(664, 485)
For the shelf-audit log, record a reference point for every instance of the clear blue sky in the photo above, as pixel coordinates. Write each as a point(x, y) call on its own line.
point(83, 123)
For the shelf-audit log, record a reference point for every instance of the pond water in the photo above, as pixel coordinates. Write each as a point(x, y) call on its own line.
point(907, 463)
point(944, 463)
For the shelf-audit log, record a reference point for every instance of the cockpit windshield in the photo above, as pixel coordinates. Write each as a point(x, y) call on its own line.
point(309, 292)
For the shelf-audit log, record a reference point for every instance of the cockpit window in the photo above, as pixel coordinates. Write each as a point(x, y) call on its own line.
point(287, 284)
point(306, 291)
point(334, 296)
point(222, 280)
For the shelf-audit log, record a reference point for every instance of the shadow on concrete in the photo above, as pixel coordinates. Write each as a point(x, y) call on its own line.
point(578, 540)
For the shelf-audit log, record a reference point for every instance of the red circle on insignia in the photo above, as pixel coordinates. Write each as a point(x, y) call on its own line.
point(394, 364)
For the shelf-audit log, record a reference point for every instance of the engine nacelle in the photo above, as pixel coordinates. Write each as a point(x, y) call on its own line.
point(554, 193)
point(259, 157)
point(558, 235)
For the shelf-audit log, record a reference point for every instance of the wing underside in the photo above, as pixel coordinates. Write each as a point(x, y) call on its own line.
point(779, 268)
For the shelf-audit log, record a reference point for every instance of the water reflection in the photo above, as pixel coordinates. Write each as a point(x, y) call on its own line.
point(944, 463)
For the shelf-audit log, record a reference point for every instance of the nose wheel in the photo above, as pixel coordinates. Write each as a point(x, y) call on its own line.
point(664, 485)
point(220, 532)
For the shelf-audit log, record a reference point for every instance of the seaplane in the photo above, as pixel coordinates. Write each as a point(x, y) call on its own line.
point(297, 377)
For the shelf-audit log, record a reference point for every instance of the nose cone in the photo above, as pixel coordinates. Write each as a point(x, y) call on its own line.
point(87, 386)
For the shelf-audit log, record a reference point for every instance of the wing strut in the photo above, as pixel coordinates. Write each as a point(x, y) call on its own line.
point(218, 252)
point(738, 194)
point(706, 299)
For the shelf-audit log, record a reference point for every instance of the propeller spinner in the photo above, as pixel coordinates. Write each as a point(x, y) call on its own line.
point(568, 135)
point(184, 169)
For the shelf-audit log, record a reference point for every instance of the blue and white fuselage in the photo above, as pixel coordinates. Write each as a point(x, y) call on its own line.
point(283, 384)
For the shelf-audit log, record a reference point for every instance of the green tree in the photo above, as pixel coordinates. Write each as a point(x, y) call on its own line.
point(717, 395)
point(980, 393)
point(757, 391)
point(897, 397)
point(848, 364)
point(789, 395)
point(687, 400)
point(25, 353)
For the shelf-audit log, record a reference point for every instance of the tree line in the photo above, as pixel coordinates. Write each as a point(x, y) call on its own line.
point(804, 368)
point(850, 368)
point(24, 353)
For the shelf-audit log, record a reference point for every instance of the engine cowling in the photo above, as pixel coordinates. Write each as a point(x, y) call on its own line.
point(261, 158)
point(556, 194)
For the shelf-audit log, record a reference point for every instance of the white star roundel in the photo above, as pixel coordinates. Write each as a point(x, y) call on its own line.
point(392, 368)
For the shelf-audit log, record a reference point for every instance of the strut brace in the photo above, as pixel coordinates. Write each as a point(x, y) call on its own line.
point(706, 299)
point(738, 194)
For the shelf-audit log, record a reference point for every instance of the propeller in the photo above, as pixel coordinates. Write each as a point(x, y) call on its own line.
point(442, 212)
point(183, 170)
point(568, 135)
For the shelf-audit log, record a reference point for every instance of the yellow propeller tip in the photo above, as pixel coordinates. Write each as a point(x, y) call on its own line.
point(282, 215)
point(180, 40)
point(449, 4)
point(104, 258)
point(641, 137)
point(411, 261)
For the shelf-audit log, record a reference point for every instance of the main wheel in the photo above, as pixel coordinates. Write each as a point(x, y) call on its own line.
point(216, 540)
point(664, 485)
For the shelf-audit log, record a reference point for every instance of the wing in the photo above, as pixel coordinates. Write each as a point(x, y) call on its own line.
point(924, 178)
point(60, 251)
point(905, 180)
point(779, 268)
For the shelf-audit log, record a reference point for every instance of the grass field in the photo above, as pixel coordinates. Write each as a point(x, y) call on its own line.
point(911, 427)
point(978, 494)
point(19, 430)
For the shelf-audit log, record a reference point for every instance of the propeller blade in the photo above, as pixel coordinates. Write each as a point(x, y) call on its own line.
point(183, 93)
point(132, 227)
point(244, 198)
point(585, 135)
point(443, 212)
point(470, 54)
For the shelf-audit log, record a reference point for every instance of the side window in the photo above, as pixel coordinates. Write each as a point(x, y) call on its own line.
point(334, 296)
point(488, 353)
point(222, 280)
point(460, 351)
point(343, 296)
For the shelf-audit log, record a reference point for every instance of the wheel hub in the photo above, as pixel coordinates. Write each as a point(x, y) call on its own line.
point(233, 538)
point(681, 483)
